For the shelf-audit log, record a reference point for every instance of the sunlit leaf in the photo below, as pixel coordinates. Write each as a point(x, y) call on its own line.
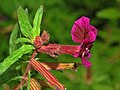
point(23, 40)
point(14, 57)
point(25, 25)
point(37, 22)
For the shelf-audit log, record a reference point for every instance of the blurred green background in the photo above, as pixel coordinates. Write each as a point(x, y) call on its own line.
point(58, 18)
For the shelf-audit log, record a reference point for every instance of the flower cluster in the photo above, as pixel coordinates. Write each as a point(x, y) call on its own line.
point(84, 34)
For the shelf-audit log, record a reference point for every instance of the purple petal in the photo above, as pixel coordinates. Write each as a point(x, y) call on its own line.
point(92, 33)
point(91, 36)
point(92, 28)
point(87, 54)
point(83, 30)
point(86, 63)
point(79, 29)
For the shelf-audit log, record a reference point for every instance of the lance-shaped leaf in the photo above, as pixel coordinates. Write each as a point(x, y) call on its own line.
point(13, 37)
point(47, 75)
point(24, 23)
point(37, 22)
point(7, 76)
point(23, 40)
point(14, 57)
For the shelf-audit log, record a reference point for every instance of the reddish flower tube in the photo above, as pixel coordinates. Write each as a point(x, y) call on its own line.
point(46, 74)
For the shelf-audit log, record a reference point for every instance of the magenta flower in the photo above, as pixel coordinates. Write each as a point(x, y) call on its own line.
point(84, 34)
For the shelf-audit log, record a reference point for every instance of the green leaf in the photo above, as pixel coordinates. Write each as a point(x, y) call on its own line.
point(13, 37)
point(7, 76)
point(37, 22)
point(14, 57)
point(24, 22)
point(109, 13)
point(23, 40)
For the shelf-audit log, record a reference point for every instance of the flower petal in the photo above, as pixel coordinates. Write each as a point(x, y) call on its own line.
point(86, 63)
point(92, 34)
point(83, 30)
point(80, 29)
point(87, 54)
point(92, 28)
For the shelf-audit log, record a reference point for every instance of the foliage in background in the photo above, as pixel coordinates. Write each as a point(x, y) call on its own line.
point(58, 19)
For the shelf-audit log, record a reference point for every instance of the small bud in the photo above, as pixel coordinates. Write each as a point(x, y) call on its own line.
point(45, 37)
point(38, 42)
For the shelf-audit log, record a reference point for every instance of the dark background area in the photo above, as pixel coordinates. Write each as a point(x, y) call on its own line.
point(58, 18)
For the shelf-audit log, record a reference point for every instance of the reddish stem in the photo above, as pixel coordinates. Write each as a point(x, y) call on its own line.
point(88, 75)
point(26, 71)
